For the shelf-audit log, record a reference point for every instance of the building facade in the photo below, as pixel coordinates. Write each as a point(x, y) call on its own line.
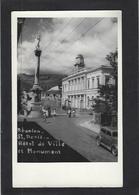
point(81, 87)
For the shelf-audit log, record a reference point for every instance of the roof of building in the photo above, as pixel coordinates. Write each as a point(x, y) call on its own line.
point(55, 88)
point(99, 68)
point(87, 70)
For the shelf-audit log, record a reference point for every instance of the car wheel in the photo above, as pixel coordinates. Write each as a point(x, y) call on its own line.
point(114, 151)
point(98, 141)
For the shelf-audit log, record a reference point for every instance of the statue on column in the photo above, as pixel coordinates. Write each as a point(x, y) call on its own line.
point(39, 39)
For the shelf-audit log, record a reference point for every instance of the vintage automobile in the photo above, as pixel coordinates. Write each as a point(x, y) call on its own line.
point(108, 138)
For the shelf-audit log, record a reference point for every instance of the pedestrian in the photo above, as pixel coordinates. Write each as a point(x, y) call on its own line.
point(44, 113)
point(73, 113)
point(54, 113)
point(49, 111)
point(69, 112)
point(29, 107)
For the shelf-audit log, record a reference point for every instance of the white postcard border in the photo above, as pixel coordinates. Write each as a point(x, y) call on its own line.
point(91, 174)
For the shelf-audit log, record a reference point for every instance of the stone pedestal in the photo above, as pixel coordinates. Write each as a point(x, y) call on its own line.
point(36, 110)
point(36, 102)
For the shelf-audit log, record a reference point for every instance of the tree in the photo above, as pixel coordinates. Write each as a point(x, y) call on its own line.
point(109, 92)
point(112, 58)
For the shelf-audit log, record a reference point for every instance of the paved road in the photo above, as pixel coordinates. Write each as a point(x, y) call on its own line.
point(79, 138)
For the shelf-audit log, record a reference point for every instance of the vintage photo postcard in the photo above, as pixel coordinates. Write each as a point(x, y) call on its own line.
point(67, 99)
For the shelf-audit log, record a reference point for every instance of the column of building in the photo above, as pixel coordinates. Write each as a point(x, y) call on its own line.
point(74, 85)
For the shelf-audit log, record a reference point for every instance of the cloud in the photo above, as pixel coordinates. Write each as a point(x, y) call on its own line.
point(63, 39)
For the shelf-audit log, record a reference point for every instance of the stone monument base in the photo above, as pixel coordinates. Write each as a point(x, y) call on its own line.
point(35, 110)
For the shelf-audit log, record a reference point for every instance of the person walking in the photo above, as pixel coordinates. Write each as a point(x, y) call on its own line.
point(73, 113)
point(69, 112)
point(29, 107)
point(44, 113)
point(49, 111)
point(54, 112)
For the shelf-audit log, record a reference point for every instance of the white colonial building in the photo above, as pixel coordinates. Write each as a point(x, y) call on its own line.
point(81, 87)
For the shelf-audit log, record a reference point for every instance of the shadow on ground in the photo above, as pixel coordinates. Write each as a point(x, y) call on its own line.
point(36, 145)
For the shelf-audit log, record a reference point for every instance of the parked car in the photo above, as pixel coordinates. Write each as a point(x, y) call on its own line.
point(108, 138)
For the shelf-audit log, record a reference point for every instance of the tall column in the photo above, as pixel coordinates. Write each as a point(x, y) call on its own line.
point(37, 70)
point(83, 101)
point(85, 106)
point(74, 101)
point(78, 101)
point(36, 88)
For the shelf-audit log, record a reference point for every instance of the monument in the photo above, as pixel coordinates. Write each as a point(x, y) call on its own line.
point(36, 89)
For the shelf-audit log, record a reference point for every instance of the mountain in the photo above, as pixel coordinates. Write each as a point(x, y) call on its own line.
point(46, 81)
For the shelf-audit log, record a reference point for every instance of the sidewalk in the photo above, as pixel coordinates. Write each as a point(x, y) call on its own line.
point(86, 121)
point(91, 126)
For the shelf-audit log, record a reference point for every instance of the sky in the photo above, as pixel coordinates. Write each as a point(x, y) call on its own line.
point(62, 39)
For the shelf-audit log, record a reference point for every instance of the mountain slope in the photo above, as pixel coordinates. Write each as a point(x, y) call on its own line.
point(46, 81)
